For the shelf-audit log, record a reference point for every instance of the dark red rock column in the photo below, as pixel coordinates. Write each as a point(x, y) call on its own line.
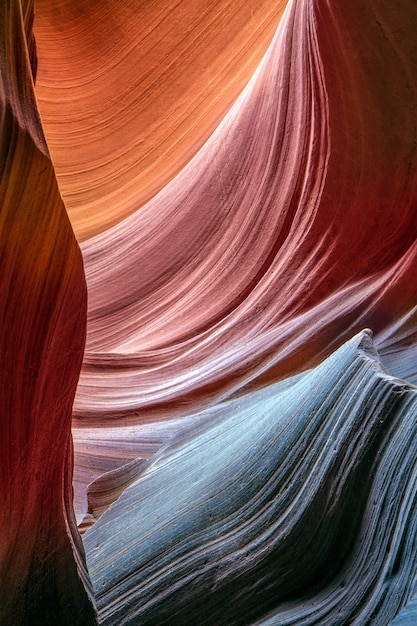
point(43, 577)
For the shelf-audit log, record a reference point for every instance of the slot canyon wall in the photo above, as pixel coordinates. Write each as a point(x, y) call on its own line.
point(208, 401)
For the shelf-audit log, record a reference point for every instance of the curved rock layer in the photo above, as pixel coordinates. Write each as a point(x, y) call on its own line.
point(408, 616)
point(235, 480)
point(130, 90)
point(43, 579)
point(294, 506)
point(290, 230)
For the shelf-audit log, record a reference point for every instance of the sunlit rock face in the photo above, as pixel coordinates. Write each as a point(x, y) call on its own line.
point(134, 88)
point(292, 228)
point(289, 231)
point(43, 578)
point(244, 452)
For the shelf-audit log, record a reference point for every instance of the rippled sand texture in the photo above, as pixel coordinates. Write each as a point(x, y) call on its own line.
point(243, 181)
point(42, 332)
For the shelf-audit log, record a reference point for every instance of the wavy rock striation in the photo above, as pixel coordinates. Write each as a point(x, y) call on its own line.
point(135, 88)
point(408, 616)
point(295, 506)
point(43, 578)
point(291, 229)
point(233, 479)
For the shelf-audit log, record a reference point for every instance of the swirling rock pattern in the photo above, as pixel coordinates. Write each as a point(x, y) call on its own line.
point(236, 461)
point(135, 88)
point(295, 507)
point(43, 578)
point(292, 229)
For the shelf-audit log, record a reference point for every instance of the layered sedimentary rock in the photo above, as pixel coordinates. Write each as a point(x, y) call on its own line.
point(43, 577)
point(236, 462)
point(134, 89)
point(295, 506)
point(408, 615)
point(291, 229)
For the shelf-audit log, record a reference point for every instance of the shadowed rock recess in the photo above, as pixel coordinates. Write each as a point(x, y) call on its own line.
point(43, 578)
point(243, 178)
